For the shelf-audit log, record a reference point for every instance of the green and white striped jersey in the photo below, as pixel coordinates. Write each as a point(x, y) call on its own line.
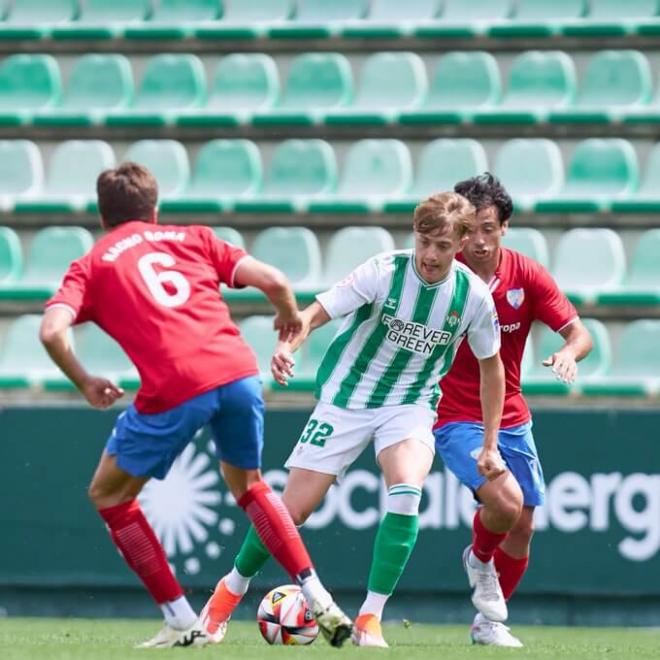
point(400, 334)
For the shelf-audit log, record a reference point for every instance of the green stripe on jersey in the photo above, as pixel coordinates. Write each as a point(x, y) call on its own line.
point(455, 309)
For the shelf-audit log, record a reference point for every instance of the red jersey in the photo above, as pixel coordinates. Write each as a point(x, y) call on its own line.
point(156, 291)
point(523, 292)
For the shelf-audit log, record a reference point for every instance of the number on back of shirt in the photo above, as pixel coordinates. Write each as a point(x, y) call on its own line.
point(168, 287)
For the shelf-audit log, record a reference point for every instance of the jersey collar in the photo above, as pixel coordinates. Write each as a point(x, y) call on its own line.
point(423, 282)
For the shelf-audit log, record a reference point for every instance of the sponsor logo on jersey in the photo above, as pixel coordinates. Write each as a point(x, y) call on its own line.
point(414, 337)
point(515, 297)
point(390, 303)
point(511, 327)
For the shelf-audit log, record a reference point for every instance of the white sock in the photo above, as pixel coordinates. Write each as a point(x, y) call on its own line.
point(374, 604)
point(178, 613)
point(237, 583)
point(475, 562)
point(315, 592)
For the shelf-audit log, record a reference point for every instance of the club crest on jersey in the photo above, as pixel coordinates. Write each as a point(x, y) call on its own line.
point(515, 297)
point(453, 319)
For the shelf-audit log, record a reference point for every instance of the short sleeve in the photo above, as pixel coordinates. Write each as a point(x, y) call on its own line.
point(551, 306)
point(484, 330)
point(359, 288)
point(73, 293)
point(224, 256)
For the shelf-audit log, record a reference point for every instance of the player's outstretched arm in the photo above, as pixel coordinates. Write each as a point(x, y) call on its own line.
point(54, 335)
point(577, 345)
point(490, 462)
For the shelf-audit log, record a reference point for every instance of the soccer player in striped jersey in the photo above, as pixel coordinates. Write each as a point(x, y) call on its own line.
point(523, 292)
point(405, 314)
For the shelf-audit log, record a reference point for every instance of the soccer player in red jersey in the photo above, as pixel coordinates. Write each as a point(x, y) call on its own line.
point(523, 292)
point(156, 291)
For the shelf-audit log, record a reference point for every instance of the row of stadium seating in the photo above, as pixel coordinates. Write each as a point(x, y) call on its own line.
point(630, 368)
point(375, 175)
point(589, 264)
point(392, 87)
point(99, 19)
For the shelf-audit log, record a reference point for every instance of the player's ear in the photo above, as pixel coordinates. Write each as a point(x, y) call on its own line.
point(154, 216)
point(504, 227)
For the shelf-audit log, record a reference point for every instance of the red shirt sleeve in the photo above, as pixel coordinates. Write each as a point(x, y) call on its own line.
point(224, 256)
point(551, 306)
point(74, 292)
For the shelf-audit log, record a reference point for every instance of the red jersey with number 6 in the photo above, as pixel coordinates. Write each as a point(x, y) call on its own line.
point(156, 290)
point(523, 292)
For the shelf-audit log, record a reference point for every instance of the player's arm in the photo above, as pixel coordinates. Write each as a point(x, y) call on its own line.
point(491, 370)
point(577, 345)
point(54, 335)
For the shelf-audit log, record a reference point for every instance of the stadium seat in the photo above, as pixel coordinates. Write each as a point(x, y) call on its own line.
point(374, 172)
point(539, 81)
point(528, 241)
point(33, 19)
point(318, 19)
point(392, 18)
point(600, 170)
point(442, 163)
point(466, 18)
point(71, 182)
point(27, 83)
point(539, 18)
point(611, 18)
point(462, 83)
point(247, 19)
point(176, 19)
point(225, 170)
point(97, 84)
point(259, 334)
point(587, 262)
point(351, 246)
point(316, 82)
point(171, 83)
point(11, 256)
point(241, 85)
point(389, 83)
point(531, 169)
point(615, 81)
point(636, 366)
point(647, 198)
point(230, 235)
point(21, 171)
point(104, 19)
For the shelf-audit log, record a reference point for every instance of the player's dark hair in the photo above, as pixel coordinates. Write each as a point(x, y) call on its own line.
point(441, 209)
point(128, 192)
point(486, 190)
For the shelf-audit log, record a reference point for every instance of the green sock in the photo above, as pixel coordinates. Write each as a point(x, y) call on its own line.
point(394, 542)
point(252, 556)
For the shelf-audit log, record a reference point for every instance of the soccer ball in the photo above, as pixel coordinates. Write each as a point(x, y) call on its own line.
point(285, 618)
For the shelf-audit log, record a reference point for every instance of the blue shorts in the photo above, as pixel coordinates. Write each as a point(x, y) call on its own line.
point(459, 443)
point(147, 445)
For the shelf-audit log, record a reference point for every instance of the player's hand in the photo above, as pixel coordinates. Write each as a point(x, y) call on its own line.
point(564, 367)
point(100, 392)
point(490, 464)
point(288, 324)
point(281, 365)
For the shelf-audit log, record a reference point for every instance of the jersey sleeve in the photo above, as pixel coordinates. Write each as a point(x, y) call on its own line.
point(224, 256)
point(484, 330)
point(551, 306)
point(73, 293)
point(359, 288)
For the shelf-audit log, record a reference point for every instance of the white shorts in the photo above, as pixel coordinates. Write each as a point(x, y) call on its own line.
point(334, 437)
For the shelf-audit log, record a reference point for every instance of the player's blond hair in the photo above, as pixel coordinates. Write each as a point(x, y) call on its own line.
point(441, 209)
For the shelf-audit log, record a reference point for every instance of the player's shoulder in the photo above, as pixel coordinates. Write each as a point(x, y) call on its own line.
point(385, 262)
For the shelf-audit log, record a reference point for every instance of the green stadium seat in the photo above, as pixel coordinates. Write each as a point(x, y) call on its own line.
point(466, 18)
point(636, 367)
point(71, 181)
point(175, 19)
point(27, 83)
point(230, 235)
point(647, 198)
point(539, 18)
point(641, 285)
point(351, 246)
point(104, 19)
point(389, 83)
point(171, 84)
point(316, 82)
point(225, 170)
point(11, 256)
point(462, 83)
point(539, 81)
point(531, 169)
point(374, 172)
point(24, 362)
point(610, 18)
point(600, 170)
point(97, 84)
point(33, 19)
point(258, 332)
point(241, 85)
point(615, 82)
point(528, 241)
point(299, 170)
point(392, 18)
point(247, 19)
point(21, 171)
point(588, 262)
point(318, 19)
point(442, 163)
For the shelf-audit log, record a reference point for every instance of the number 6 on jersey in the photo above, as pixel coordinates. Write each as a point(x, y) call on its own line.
point(156, 281)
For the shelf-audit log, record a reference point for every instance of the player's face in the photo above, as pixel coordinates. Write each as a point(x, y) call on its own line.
point(483, 243)
point(435, 251)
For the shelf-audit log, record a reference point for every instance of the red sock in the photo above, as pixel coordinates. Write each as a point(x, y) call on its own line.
point(275, 528)
point(484, 541)
point(511, 571)
point(141, 549)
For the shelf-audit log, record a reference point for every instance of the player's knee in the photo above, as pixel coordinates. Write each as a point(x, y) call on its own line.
point(524, 530)
point(299, 514)
point(507, 509)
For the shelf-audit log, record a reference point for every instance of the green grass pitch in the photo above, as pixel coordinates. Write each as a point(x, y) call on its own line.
point(82, 639)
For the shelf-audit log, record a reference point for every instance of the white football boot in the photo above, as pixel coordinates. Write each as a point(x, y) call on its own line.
point(334, 624)
point(492, 633)
point(487, 594)
point(168, 637)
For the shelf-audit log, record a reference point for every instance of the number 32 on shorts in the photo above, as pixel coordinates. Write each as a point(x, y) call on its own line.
point(316, 432)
